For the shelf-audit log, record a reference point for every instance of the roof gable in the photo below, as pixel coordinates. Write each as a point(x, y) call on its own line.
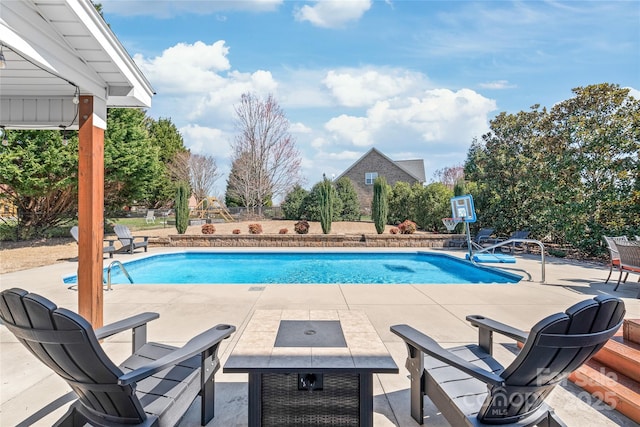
point(414, 168)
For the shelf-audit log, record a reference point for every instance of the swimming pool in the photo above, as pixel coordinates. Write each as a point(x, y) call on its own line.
point(305, 267)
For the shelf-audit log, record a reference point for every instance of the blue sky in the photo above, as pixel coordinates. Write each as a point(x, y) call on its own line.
point(414, 79)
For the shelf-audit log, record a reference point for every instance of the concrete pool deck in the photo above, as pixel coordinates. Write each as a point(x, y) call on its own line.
point(28, 387)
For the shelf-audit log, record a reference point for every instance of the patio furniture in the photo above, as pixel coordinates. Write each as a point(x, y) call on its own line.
point(310, 368)
point(629, 260)
point(471, 388)
point(153, 387)
point(128, 240)
point(109, 249)
point(614, 256)
point(150, 218)
point(482, 236)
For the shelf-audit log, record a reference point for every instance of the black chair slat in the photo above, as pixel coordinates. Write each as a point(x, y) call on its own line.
point(93, 366)
point(556, 358)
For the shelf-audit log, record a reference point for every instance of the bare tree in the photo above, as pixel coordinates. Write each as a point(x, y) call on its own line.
point(178, 167)
point(450, 175)
point(201, 171)
point(203, 174)
point(265, 158)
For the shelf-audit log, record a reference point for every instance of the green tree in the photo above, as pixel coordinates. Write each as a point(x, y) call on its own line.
point(431, 204)
point(567, 175)
point(400, 202)
point(131, 162)
point(39, 176)
point(347, 194)
point(311, 205)
point(182, 207)
point(380, 203)
point(327, 196)
point(164, 135)
point(292, 206)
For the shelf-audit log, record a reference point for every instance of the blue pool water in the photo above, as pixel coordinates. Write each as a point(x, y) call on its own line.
point(305, 267)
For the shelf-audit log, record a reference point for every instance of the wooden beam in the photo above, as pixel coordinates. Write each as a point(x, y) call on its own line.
point(90, 214)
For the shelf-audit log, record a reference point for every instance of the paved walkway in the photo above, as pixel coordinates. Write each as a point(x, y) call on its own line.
point(27, 387)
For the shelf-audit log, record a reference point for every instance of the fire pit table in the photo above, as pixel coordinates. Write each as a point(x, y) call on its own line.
point(310, 367)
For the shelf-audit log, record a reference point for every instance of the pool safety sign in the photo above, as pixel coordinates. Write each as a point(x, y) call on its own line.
point(462, 207)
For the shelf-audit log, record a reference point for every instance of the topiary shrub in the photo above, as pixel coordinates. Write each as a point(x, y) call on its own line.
point(283, 231)
point(407, 227)
point(208, 229)
point(236, 231)
point(380, 203)
point(301, 227)
point(255, 229)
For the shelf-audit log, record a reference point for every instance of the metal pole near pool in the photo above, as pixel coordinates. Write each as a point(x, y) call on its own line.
point(469, 248)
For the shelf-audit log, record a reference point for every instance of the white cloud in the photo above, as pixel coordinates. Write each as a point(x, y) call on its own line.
point(186, 68)
point(332, 13)
point(497, 85)
point(437, 126)
point(299, 128)
point(206, 140)
point(195, 81)
point(634, 92)
point(438, 121)
point(362, 87)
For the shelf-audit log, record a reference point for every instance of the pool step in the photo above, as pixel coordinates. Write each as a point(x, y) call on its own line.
point(613, 374)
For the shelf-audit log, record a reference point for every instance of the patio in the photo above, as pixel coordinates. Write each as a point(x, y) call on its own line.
point(185, 310)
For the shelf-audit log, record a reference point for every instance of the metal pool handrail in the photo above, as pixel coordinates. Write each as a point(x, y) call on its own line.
point(508, 242)
point(124, 270)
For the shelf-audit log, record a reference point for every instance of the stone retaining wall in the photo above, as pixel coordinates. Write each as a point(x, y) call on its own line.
point(316, 240)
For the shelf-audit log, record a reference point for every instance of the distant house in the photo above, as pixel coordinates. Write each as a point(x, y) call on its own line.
point(374, 164)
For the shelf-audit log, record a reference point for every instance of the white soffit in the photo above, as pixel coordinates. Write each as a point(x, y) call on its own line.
point(53, 46)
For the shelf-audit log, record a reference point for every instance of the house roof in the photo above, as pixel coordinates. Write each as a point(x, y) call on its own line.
point(414, 168)
point(55, 50)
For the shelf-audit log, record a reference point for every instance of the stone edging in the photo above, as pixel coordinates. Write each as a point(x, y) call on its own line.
point(315, 240)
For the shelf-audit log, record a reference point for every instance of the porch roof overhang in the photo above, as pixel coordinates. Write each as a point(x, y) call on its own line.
point(56, 50)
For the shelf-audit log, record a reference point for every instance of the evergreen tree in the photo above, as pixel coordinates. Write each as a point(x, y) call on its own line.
point(182, 207)
point(292, 206)
point(380, 203)
point(346, 192)
point(327, 194)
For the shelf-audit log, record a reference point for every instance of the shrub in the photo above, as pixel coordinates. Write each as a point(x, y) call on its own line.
point(236, 231)
point(327, 195)
point(407, 227)
point(301, 227)
point(255, 229)
point(557, 253)
point(208, 229)
point(182, 207)
point(380, 203)
point(394, 230)
point(283, 231)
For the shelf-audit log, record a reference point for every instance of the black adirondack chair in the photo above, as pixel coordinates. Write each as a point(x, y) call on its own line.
point(153, 387)
point(471, 388)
